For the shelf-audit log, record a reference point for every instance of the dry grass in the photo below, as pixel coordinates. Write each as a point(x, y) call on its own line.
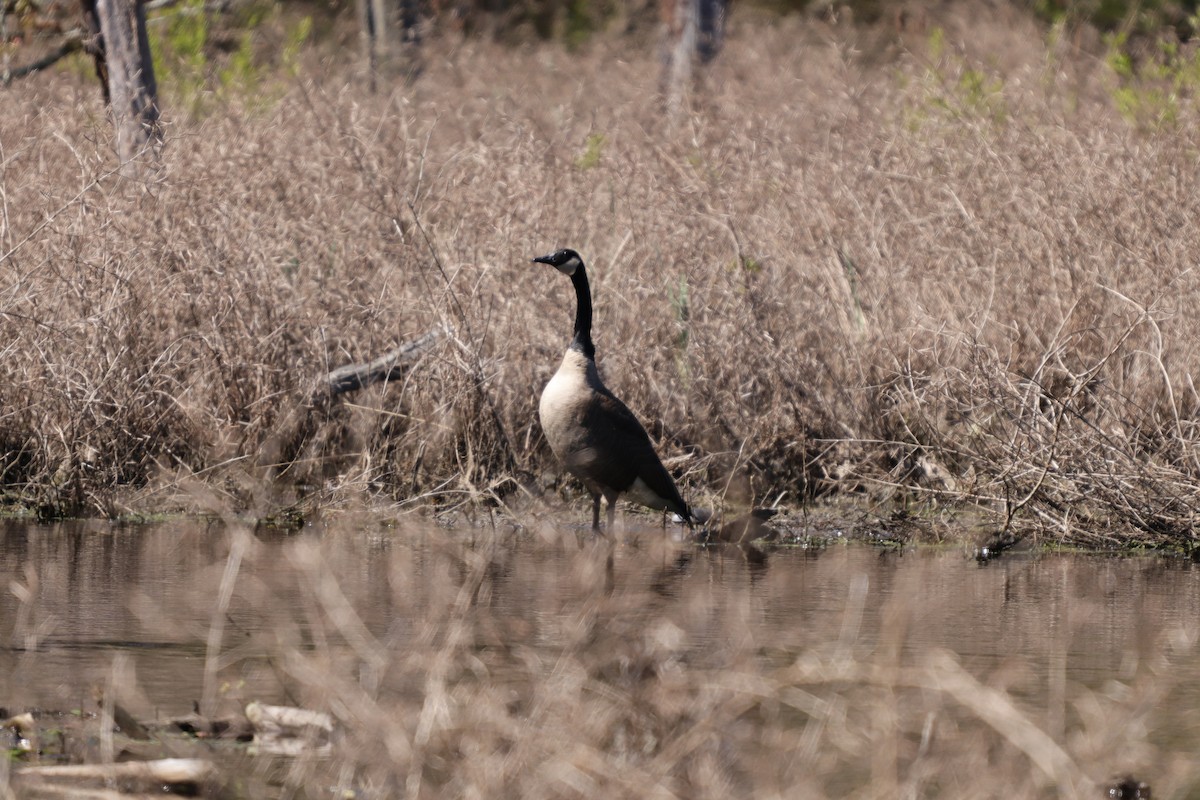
point(863, 263)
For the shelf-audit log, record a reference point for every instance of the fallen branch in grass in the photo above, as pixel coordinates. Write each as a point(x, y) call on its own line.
point(387, 367)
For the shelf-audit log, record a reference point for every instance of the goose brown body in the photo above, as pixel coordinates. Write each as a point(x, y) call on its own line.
point(595, 436)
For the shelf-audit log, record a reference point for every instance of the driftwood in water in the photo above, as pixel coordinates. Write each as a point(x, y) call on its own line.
point(186, 775)
point(289, 731)
point(387, 367)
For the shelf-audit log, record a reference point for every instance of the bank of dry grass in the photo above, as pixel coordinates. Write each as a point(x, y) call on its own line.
point(866, 262)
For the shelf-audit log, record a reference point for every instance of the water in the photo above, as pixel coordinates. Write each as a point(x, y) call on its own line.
point(85, 605)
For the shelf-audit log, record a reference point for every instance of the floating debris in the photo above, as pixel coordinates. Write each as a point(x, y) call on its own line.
point(1130, 788)
point(202, 727)
point(183, 776)
point(20, 733)
point(289, 731)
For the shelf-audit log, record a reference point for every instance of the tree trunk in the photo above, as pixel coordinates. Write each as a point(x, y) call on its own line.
point(391, 37)
point(694, 29)
point(93, 44)
point(132, 90)
point(373, 25)
point(710, 33)
point(410, 38)
point(682, 46)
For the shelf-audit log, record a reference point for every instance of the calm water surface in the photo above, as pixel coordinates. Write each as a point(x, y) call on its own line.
point(74, 594)
point(75, 598)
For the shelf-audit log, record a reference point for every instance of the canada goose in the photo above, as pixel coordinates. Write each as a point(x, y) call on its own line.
point(594, 434)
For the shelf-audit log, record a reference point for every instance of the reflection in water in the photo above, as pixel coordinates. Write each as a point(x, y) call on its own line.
point(402, 613)
point(152, 590)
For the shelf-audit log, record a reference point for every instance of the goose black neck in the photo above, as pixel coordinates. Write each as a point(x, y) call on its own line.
point(583, 314)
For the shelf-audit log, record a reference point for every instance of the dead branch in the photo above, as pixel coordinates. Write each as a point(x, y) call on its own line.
point(72, 43)
point(387, 367)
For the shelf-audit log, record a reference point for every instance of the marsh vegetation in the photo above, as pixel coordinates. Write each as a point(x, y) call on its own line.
point(890, 277)
point(944, 260)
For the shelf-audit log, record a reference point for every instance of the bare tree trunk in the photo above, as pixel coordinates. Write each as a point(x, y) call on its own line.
point(4, 70)
point(681, 44)
point(366, 35)
point(410, 37)
point(381, 40)
point(711, 32)
point(692, 29)
point(133, 93)
point(386, 52)
point(93, 44)
point(373, 23)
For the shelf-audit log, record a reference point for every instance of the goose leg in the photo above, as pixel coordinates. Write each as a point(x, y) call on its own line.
point(596, 512)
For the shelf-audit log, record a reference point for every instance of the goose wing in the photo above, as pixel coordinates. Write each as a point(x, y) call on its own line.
point(620, 452)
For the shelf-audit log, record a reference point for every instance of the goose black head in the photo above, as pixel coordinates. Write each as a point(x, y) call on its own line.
point(565, 261)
